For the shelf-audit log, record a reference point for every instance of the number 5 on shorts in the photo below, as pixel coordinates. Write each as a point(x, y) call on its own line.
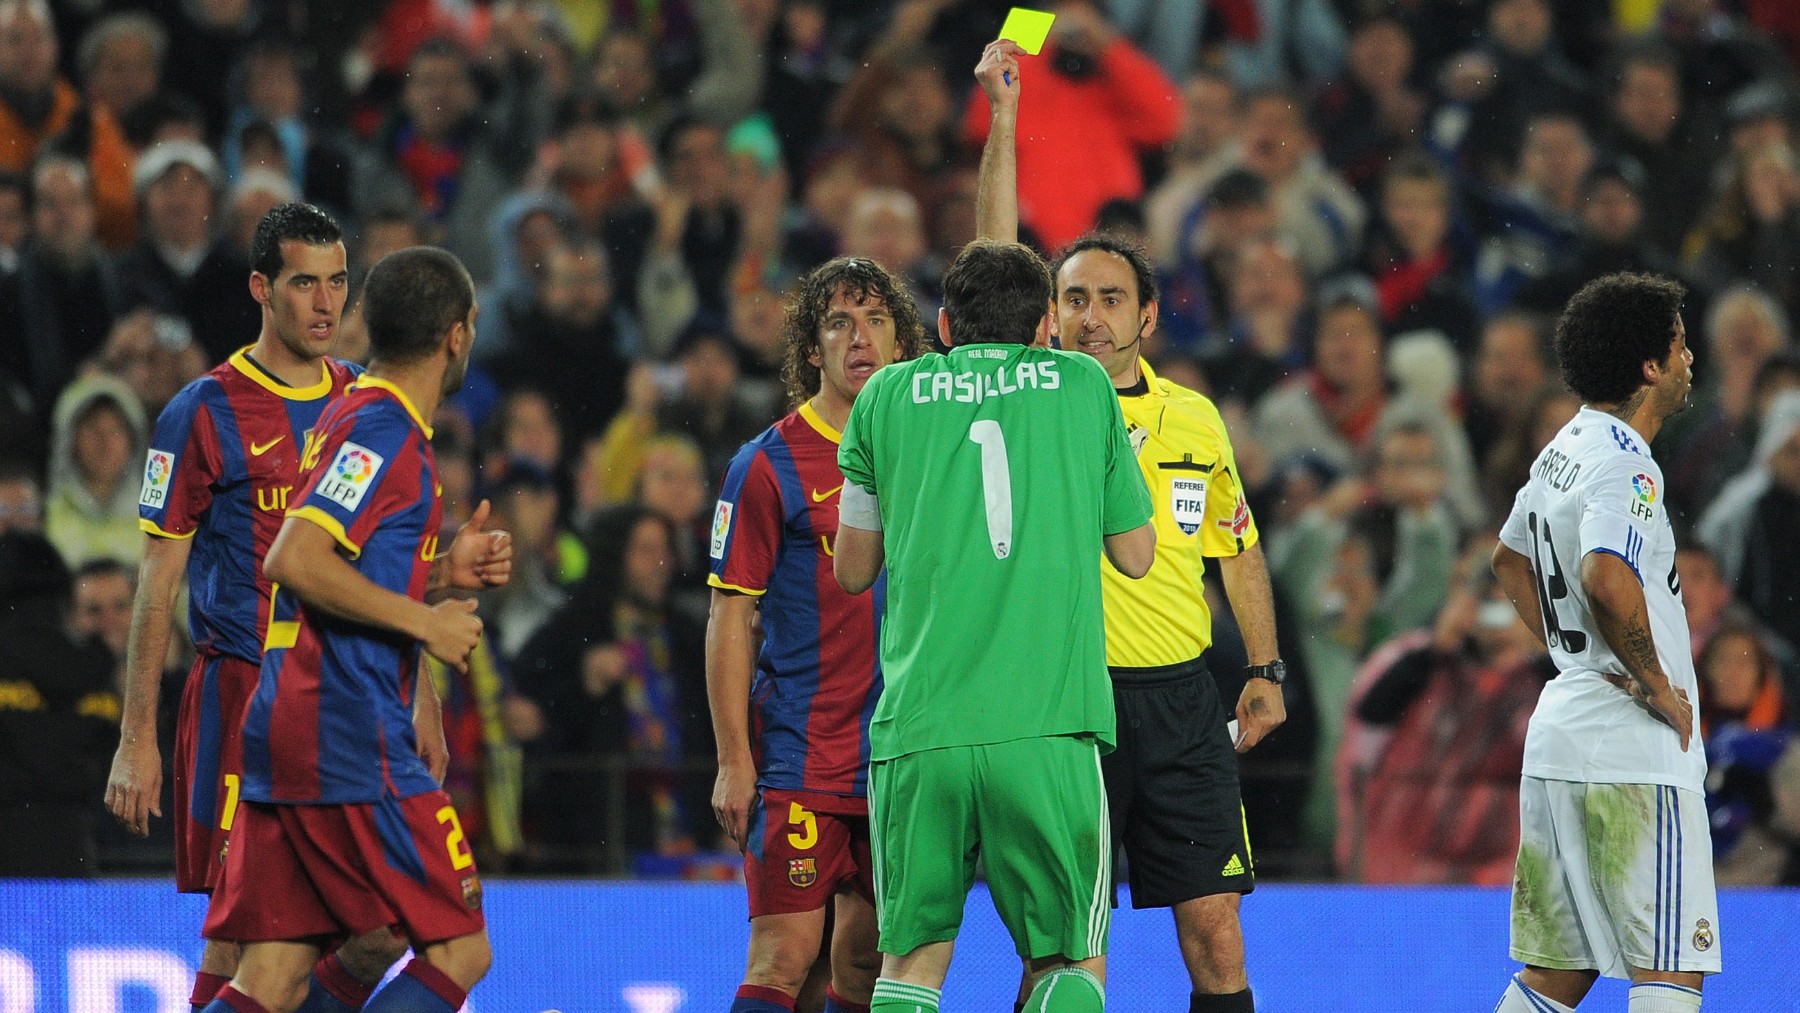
point(807, 833)
point(454, 841)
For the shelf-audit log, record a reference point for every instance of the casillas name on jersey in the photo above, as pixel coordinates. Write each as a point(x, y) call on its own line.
point(1595, 489)
point(222, 468)
point(331, 720)
point(818, 676)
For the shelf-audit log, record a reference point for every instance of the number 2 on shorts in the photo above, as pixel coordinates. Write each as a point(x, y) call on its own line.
point(996, 484)
point(454, 841)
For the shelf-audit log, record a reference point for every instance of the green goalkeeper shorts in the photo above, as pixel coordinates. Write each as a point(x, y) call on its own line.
point(1034, 810)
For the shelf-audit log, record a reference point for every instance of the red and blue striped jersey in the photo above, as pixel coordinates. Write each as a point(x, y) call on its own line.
point(222, 465)
point(819, 674)
point(331, 719)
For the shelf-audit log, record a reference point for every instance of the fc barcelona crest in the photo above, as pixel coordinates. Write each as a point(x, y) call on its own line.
point(802, 872)
point(471, 891)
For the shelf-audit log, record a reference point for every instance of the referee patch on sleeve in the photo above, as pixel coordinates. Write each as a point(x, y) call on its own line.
point(1187, 503)
point(721, 527)
point(351, 475)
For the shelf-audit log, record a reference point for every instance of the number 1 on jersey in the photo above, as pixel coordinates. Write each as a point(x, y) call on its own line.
point(996, 484)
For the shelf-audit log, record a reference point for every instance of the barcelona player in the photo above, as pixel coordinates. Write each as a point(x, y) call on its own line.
point(342, 830)
point(792, 720)
point(224, 460)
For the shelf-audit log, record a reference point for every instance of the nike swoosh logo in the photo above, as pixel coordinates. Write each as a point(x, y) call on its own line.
point(257, 450)
point(820, 497)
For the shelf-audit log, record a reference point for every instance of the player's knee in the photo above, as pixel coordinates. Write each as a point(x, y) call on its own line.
point(476, 958)
point(282, 996)
point(1209, 921)
point(1067, 990)
point(369, 955)
point(853, 972)
point(782, 967)
point(220, 958)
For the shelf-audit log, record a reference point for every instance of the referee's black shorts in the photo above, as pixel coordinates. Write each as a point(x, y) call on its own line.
point(1172, 787)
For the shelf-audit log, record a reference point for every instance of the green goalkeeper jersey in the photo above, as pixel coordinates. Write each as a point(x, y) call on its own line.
point(999, 468)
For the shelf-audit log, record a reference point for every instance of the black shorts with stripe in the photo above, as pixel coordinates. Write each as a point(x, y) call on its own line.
point(1172, 787)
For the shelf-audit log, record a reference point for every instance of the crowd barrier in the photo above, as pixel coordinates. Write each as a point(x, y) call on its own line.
point(635, 947)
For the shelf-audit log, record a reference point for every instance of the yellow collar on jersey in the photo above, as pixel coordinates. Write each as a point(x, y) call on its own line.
point(240, 360)
point(815, 420)
point(366, 380)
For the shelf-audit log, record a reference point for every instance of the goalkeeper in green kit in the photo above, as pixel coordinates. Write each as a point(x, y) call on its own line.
point(990, 480)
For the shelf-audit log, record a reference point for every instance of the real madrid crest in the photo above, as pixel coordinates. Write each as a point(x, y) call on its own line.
point(802, 872)
point(1703, 935)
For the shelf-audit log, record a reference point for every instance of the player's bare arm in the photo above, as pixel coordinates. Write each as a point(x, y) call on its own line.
point(134, 788)
point(1132, 552)
point(730, 662)
point(304, 559)
point(1513, 571)
point(1260, 708)
point(1623, 619)
point(477, 559)
point(997, 184)
point(859, 557)
point(428, 725)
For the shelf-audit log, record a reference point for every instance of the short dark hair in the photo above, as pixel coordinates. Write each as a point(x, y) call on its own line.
point(996, 292)
point(1238, 188)
point(104, 566)
point(292, 220)
point(860, 278)
point(1774, 369)
point(1131, 252)
point(411, 298)
point(1417, 166)
point(1120, 214)
point(19, 184)
point(682, 125)
point(1613, 326)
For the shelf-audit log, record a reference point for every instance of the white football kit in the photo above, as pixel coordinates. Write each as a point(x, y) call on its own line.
point(1615, 856)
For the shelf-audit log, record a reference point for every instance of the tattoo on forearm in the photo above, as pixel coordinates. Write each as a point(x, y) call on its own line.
point(1637, 649)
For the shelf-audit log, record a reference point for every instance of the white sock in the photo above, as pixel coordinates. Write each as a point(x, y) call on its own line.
point(1519, 998)
point(904, 997)
point(1663, 997)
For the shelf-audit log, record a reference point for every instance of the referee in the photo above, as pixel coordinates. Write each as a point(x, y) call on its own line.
point(1172, 783)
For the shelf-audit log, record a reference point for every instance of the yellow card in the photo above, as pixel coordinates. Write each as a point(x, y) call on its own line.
point(1028, 28)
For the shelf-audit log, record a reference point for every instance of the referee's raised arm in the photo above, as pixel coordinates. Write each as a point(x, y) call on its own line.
point(997, 186)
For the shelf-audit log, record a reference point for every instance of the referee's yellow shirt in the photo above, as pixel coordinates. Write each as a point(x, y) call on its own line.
point(1200, 511)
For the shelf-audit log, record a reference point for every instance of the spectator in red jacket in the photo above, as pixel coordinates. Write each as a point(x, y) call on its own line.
point(1102, 104)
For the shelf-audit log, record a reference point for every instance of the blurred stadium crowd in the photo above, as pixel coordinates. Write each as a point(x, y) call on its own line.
point(1365, 216)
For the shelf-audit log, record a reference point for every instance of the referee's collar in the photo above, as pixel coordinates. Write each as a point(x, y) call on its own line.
point(1146, 381)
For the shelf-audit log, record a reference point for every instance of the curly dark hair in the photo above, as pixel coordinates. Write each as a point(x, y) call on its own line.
point(1613, 326)
point(859, 278)
point(1131, 252)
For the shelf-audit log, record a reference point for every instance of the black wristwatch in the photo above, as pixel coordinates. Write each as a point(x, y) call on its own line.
point(1275, 671)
